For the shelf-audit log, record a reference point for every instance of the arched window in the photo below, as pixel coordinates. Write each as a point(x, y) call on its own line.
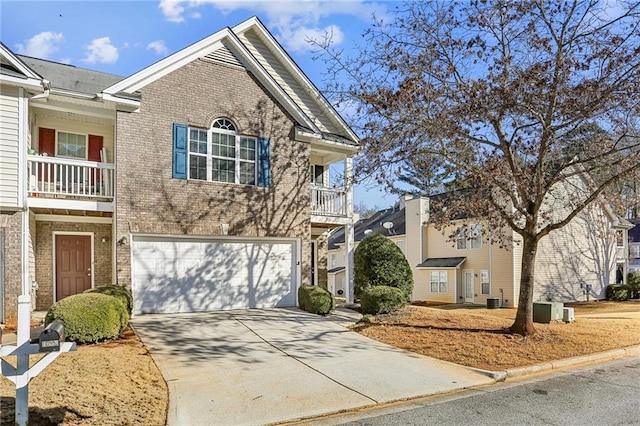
point(220, 154)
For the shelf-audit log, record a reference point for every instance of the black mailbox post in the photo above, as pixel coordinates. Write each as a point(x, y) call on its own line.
point(51, 337)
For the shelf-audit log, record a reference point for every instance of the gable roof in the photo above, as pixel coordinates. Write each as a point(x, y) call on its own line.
point(374, 223)
point(14, 71)
point(70, 78)
point(228, 43)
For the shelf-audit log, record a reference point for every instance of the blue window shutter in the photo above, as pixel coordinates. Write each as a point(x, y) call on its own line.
point(179, 151)
point(264, 166)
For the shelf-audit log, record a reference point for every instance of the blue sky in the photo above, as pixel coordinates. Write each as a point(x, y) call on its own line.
point(122, 37)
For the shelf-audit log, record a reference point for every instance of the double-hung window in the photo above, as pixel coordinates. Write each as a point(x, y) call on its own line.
point(476, 236)
point(222, 155)
point(484, 276)
point(461, 238)
point(438, 281)
point(72, 145)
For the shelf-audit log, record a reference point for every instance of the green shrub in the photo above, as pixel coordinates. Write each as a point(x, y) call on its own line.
point(633, 279)
point(316, 300)
point(618, 292)
point(379, 262)
point(89, 317)
point(381, 300)
point(116, 291)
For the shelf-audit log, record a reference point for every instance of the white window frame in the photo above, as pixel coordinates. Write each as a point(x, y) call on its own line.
point(461, 238)
point(485, 279)
point(86, 144)
point(475, 236)
point(237, 160)
point(442, 281)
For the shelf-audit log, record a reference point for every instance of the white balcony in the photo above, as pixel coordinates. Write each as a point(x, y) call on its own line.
point(57, 182)
point(327, 201)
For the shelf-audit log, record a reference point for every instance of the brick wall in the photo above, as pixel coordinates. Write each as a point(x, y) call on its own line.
point(12, 229)
point(150, 201)
point(102, 255)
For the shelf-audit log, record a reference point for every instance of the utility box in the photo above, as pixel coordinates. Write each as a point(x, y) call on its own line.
point(51, 337)
point(545, 312)
point(568, 315)
point(493, 303)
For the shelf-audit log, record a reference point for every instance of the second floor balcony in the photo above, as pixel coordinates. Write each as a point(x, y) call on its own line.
point(68, 183)
point(326, 201)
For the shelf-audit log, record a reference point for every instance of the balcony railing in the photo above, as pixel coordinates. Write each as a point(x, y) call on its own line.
point(328, 201)
point(69, 178)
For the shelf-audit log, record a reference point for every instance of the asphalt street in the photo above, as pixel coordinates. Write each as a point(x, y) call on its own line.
point(603, 394)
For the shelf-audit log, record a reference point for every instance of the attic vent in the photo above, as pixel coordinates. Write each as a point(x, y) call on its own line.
point(224, 56)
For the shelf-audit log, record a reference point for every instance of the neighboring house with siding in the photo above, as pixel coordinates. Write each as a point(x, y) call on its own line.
point(199, 182)
point(581, 257)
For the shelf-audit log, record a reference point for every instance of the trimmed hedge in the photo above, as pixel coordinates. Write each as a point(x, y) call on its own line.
point(116, 291)
point(618, 292)
point(316, 300)
point(379, 262)
point(633, 279)
point(89, 317)
point(381, 300)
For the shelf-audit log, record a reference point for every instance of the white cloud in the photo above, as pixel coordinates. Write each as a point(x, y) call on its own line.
point(172, 10)
point(294, 23)
point(101, 51)
point(41, 45)
point(158, 47)
point(297, 39)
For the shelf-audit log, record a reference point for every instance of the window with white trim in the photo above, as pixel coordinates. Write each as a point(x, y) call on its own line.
point(71, 145)
point(221, 154)
point(461, 237)
point(484, 279)
point(476, 236)
point(439, 282)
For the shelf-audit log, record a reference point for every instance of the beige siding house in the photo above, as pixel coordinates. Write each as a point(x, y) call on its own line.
point(200, 183)
point(573, 263)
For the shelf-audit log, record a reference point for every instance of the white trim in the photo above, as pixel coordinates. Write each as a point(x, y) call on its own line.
point(464, 286)
point(22, 147)
point(53, 258)
point(255, 23)
point(86, 144)
point(63, 204)
point(21, 66)
point(202, 48)
point(73, 219)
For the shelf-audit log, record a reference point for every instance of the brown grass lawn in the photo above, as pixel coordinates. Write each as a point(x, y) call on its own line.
point(117, 382)
point(479, 337)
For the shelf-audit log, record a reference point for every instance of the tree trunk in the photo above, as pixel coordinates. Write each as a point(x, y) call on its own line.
point(523, 324)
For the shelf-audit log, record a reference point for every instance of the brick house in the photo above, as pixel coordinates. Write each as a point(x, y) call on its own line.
point(201, 182)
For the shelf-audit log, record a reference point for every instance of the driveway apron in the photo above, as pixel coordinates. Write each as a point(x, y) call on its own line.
point(267, 366)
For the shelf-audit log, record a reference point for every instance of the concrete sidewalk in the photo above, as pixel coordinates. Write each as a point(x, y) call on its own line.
point(268, 366)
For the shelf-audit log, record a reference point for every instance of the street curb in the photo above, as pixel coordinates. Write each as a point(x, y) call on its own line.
point(568, 362)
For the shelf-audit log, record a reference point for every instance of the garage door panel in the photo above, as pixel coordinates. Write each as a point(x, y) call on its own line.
point(202, 275)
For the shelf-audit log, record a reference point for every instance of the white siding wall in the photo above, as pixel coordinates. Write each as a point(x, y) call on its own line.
point(9, 137)
point(273, 66)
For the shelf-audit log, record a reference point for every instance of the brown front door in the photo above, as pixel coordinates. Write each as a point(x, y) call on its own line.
point(73, 265)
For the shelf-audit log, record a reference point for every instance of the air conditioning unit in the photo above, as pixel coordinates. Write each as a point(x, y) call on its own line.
point(568, 315)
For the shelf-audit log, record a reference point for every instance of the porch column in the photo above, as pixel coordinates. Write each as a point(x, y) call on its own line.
point(348, 234)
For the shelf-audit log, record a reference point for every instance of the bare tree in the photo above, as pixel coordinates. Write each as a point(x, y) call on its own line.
point(497, 90)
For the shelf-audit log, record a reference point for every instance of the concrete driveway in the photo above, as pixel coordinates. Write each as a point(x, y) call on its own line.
point(267, 366)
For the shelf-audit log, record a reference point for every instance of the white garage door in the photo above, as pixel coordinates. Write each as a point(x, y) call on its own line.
point(190, 275)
